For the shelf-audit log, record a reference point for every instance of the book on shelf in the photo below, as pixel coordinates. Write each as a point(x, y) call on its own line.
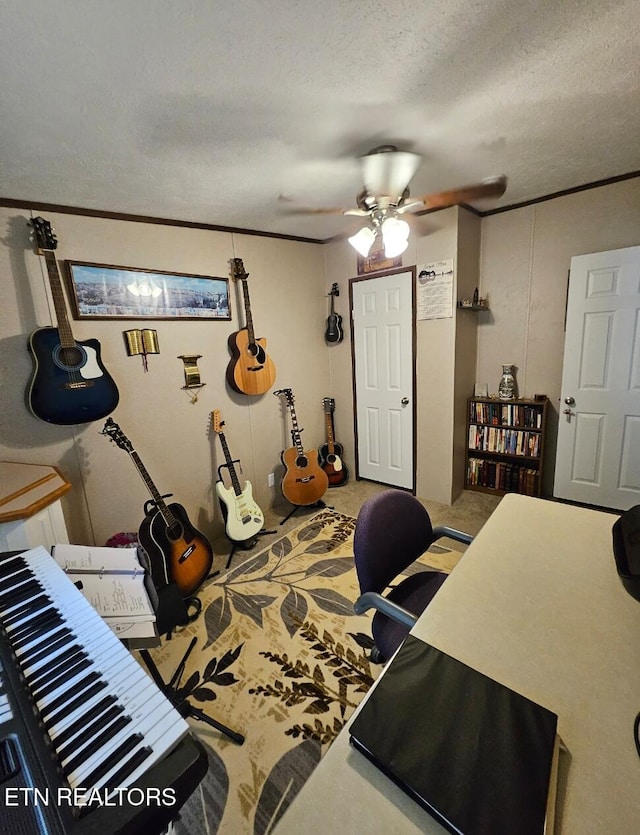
point(114, 582)
point(478, 756)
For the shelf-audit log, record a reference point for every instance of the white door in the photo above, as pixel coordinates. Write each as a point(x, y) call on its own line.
point(383, 346)
point(598, 453)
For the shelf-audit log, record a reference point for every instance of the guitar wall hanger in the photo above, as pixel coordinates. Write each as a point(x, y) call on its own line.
point(191, 375)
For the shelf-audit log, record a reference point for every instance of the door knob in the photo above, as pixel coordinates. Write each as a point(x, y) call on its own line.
point(405, 401)
point(570, 401)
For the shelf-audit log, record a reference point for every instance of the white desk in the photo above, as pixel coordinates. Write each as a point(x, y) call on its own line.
point(536, 603)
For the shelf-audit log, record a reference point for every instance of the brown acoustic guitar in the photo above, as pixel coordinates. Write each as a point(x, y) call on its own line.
point(304, 481)
point(174, 549)
point(330, 454)
point(250, 370)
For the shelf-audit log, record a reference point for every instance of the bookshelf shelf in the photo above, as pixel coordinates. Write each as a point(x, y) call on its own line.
point(505, 447)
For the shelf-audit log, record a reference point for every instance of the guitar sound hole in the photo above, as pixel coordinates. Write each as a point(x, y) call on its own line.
point(69, 358)
point(302, 461)
point(174, 533)
point(258, 352)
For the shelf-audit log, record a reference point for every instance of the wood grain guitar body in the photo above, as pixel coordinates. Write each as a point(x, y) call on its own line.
point(304, 481)
point(250, 370)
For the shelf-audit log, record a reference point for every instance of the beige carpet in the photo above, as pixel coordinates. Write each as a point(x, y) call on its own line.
point(281, 658)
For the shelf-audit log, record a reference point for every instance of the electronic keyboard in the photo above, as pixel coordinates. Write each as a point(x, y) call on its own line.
point(88, 741)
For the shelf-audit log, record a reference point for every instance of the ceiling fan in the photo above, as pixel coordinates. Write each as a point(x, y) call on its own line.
point(386, 173)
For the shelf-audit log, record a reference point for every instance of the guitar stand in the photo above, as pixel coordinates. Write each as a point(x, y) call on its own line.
point(171, 690)
point(246, 545)
point(319, 504)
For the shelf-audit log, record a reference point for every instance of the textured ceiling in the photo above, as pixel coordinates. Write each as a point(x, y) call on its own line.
point(207, 111)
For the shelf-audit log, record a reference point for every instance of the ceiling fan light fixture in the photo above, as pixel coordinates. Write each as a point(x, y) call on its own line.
point(363, 240)
point(395, 236)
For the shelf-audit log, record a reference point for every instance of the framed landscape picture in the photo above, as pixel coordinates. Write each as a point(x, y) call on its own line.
point(102, 291)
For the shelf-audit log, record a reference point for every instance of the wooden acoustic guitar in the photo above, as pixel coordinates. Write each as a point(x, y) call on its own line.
point(250, 370)
point(330, 454)
point(334, 332)
point(242, 516)
point(304, 481)
point(69, 383)
point(175, 550)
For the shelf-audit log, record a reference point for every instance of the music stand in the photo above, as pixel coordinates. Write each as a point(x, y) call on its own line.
point(171, 690)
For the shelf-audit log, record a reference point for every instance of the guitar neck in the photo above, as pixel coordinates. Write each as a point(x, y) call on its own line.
point(328, 419)
point(232, 470)
point(295, 432)
point(64, 328)
point(247, 312)
point(167, 515)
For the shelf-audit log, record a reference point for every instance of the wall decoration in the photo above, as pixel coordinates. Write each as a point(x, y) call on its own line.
point(191, 375)
point(376, 260)
point(140, 343)
point(100, 291)
point(435, 290)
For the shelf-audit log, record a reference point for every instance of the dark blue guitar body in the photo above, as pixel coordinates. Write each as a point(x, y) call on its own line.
point(69, 384)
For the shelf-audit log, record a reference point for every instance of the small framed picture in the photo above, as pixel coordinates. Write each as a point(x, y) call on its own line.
point(481, 390)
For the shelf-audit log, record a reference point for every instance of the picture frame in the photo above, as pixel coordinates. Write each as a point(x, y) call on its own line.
point(377, 260)
point(105, 291)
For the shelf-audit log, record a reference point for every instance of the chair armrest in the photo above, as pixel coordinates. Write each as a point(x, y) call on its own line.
point(373, 600)
point(452, 533)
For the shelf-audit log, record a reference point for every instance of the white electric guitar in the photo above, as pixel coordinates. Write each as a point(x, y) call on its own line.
point(243, 518)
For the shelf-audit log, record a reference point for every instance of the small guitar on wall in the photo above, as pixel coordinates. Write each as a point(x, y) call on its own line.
point(304, 481)
point(250, 370)
point(69, 383)
point(334, 332)
point(330, 454)
point(175, 549)
point(243, 518)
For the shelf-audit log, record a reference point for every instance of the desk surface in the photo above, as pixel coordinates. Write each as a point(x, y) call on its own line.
point(536, 603)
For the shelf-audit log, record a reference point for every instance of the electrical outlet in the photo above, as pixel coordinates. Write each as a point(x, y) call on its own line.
point(271, 480)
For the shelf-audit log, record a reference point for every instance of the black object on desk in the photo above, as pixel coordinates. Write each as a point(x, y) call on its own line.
point(472, 752)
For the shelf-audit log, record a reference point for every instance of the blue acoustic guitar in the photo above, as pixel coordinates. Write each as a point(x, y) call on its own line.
point(69, 383)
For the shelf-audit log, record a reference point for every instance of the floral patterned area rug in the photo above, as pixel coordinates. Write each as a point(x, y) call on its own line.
point(281, 658)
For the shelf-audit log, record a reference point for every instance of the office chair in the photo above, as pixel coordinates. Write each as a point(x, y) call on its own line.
point(392, 530)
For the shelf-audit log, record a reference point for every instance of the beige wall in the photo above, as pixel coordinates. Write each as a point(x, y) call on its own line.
point(525, 260)
point(169, 432)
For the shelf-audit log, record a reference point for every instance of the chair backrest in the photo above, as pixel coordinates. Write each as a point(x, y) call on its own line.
point(392, 530)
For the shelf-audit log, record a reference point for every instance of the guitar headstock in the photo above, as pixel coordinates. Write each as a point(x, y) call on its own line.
point(335, 290)
point(329, 405)
point(115, 434)
point(238, 271)
point(216, 421)
point(287, 394)
point(46, 240)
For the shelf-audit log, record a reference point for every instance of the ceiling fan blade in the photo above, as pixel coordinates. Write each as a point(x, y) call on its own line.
point(491, 187)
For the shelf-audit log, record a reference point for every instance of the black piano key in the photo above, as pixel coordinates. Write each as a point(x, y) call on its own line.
point(74, 704)
point(91, 731)
point(49, 644)
point(19, 593)
point(14, 579)
point(128, 768)
point(57, 682)
point(32, 605)
point(78, 687)
point(38, 625)
point(64, 658)
point(105, 767)
point(102, 739)
point(11, 564)
point(96, 712)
